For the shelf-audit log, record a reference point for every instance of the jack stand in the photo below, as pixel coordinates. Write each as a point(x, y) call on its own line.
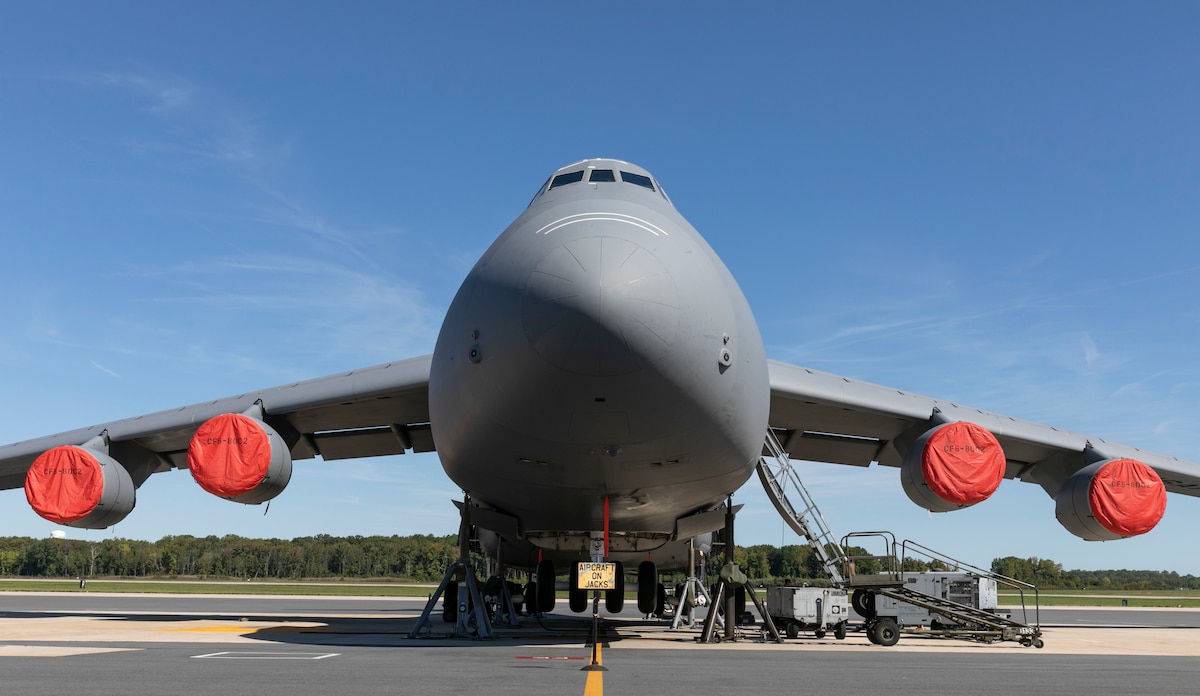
point(463, 573)
point(731, 579)
point(693, 590)
point(506, 613)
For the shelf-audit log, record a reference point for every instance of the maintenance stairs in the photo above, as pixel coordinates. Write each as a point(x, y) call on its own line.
point(782, 483)
point(976, 624)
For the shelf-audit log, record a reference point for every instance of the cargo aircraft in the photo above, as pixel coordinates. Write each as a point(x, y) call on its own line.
point(598, 373)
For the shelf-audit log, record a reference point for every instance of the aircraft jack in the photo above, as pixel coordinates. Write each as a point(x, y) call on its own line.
point(724, 599)
point(468, 607)
point(692, 593)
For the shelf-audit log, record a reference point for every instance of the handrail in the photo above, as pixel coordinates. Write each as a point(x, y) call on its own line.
point(891, 563)
point(808, 522)
point(1019, 585)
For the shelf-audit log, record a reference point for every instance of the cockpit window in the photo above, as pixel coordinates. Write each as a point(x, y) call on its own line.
point(630, 177)
point(568, 178)
point(602, 175)
point(540, 190)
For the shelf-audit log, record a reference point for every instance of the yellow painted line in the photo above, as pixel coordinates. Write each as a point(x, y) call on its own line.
point(595, 680)
point(213, 629)
point(595, 684)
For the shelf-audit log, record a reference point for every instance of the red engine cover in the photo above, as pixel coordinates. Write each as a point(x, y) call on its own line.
point(239, 458)
point(953, 466)
point(1112, 499)
point(79, 487)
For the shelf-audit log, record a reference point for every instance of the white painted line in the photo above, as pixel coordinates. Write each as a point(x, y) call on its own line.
point(264, 656)
point(602, 217)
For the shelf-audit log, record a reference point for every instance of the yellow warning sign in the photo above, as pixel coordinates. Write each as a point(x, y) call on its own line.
point(597, 576)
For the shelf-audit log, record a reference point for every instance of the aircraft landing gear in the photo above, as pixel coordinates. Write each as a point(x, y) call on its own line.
point(614, 599)
point(544, 593)
point(647, 587)
point(576, 598)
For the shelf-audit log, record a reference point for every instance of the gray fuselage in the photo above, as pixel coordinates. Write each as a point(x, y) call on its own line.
point(599, 348)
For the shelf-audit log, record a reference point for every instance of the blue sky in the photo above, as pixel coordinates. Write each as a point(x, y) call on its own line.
point(996, 205)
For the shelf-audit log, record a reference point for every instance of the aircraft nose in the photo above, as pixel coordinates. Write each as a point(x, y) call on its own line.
point(601, 306)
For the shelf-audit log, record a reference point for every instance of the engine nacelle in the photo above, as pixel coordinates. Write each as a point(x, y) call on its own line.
point(239, 458)
point(1111, 499)
point(79, 487)
point(953, 466)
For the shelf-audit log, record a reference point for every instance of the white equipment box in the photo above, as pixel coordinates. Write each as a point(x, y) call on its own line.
point(816, 609)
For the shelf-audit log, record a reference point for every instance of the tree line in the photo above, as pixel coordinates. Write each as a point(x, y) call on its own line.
point(421, 558)
point(424, 558)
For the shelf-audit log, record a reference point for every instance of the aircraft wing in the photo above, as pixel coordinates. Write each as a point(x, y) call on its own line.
point(373, 411)
point(823, 417)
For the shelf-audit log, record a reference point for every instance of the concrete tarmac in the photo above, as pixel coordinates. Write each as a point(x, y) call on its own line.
point(295, 646)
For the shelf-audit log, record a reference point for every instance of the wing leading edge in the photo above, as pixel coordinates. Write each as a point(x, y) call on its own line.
point(374, 411)
point(824, 417)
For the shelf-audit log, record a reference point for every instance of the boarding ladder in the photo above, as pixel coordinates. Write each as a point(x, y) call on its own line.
point(779, 477)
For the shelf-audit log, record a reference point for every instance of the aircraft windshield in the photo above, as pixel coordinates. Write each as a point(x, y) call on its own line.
point(643, 181)
point(568, 178)
point(597, 176)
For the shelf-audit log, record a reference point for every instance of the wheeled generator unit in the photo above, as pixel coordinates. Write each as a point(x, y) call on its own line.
point(817, 609)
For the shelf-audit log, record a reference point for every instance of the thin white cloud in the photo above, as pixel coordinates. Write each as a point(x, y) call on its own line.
point(164, 95)
point(335, 292)
point(1091, 352)
point(104, 369)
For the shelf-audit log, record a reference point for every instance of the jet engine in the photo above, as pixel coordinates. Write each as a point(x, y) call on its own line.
point(79, 487)
point(240, 458)
point(1111, 499)
point(952, 466)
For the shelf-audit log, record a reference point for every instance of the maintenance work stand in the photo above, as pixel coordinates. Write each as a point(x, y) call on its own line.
point(884, 624)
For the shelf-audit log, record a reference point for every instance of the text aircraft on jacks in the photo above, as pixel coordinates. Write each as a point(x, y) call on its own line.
point(598, 371)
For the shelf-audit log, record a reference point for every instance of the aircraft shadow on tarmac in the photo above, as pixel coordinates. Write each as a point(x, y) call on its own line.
point(367, 631)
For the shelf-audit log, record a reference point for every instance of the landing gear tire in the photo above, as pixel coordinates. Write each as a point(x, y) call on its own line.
point(647, 592)
point(660, 601)
point(545, 586)
point(887, 632)
point(576, 597)
point(864, 603)
point(614, 599)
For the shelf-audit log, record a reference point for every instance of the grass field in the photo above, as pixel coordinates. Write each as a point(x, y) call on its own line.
point(331, 589)
point(1110, 598)
point(1090, 598)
